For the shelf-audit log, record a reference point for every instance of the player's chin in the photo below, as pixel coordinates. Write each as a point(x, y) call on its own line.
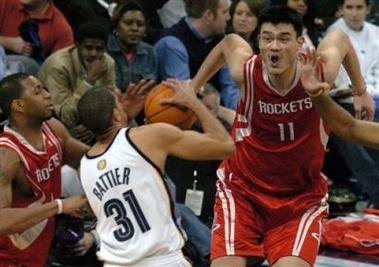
point(274, 70)
point(48, 115)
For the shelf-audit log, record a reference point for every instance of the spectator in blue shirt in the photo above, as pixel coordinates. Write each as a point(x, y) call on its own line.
point(183, 47)
point(134, 59)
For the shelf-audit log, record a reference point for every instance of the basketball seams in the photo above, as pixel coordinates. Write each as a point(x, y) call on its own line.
point(155, 112)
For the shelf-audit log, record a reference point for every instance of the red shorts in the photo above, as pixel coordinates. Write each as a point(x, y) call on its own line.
point(5, 263)
point(270, 229)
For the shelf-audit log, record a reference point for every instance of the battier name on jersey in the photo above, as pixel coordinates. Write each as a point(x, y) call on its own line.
point(110, 179)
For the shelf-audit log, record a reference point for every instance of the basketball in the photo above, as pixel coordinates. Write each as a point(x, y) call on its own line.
point(155, 112)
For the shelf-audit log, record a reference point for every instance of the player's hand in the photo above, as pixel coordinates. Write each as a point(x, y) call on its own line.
point(133, 99)
point(184, 93)
point(84, 244)
point(73, 204)
point(310, 76)
point(364, 106)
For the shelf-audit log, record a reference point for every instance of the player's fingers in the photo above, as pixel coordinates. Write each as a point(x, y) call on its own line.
point(132, 89)
point(368, 114)
point(302, 58)
point(358, 114)
point(146, 87)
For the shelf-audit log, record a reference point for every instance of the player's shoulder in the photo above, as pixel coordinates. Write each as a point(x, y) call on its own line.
point(9, 152)
point(156, 133)
point(57, 129)
point(161, 128)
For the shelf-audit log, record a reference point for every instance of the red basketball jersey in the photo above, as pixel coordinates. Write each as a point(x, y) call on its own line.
point(280, 138)
point(43, 172)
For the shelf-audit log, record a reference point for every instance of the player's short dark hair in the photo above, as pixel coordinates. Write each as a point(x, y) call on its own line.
point(11, 88)
point(91, 30)
point(281, 14)
point(95, 109)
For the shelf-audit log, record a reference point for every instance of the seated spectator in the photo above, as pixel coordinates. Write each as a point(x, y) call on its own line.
point(244, 14)
point(183, 47)
point(362, 162)
point(134, 59)
point(72, 71)
point(44, 30)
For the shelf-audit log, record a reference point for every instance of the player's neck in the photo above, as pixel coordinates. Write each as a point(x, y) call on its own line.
point(108, 136)
point(282, 82)
point(103, 141)
point(33, 135)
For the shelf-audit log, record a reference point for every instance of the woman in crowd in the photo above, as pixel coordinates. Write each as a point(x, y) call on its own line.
point(244, 18)
point(134, 59)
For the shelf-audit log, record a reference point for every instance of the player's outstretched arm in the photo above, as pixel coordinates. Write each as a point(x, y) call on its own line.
point(336, 49)
point(232, 50)
point(338, 119)
point(17, 220)
point(346, 126)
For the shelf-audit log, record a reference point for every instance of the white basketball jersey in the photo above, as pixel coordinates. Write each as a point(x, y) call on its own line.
point(129, 197)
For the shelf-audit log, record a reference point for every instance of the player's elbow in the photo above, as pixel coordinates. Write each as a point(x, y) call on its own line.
point(229, 148)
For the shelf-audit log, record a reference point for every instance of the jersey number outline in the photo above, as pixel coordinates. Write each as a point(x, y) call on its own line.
point(246, 131)
point(116, 207)
point(282, 131)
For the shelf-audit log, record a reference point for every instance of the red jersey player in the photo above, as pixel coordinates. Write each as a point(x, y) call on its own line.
point(33, 148)
point(271, 195)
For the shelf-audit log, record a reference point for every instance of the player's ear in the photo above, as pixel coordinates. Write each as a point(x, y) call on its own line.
point(17, 105)
point(116, 117)
point(300, 41)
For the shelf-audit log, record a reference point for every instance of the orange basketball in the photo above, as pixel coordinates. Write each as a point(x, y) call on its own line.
point(155, 112)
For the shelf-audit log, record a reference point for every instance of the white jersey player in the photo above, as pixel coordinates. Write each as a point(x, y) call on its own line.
point(135, 213)
point(122, 176)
